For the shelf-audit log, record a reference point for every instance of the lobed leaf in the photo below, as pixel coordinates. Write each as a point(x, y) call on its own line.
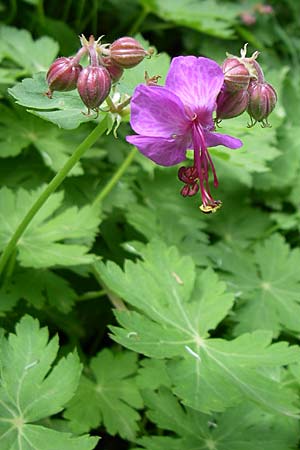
point(52, 238)
point(32, 390)
point(109, 396)
point(175, 307)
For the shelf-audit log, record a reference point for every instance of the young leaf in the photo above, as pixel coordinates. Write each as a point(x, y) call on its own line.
point(175, 307)
point(31, 391)
point(243, 428)
point(109, 396)
point(52, 238)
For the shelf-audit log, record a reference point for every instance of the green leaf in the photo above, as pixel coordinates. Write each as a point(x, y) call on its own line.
point(152, 374)
point(267, 281)
point(53, 237)
point(109, 396)
point(38, 287)
point(19, 47)
point(174, 309)
point(208, 16)
point(30, 390)
point(65, 109)
point(259, 148)
point(163, 207)
point(18, 130)
point(243, 428)
point(237, 222)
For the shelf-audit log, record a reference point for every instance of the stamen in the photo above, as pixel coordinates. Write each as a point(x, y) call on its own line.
point(203, 161)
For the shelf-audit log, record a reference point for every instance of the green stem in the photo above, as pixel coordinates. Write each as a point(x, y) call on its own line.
point(92, 295)
point(116, 301)
point(41, 12)
point(67, 5)
point(12, 12)
point(140, 19)
point(52, 186)
point(11, 264)
point(109, 186)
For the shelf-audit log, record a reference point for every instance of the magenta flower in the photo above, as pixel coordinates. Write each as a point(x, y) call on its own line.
point(178, 116)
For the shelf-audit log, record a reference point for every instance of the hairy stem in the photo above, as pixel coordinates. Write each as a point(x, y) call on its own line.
point(52, 186)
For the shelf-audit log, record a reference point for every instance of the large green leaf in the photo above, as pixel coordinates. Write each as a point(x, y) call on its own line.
point(175, 307)
point(19, 47)
point(242, 428)
point(31, 391)
point(267, 282)
point(209, 16)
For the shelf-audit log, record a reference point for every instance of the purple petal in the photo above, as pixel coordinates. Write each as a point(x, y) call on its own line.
point(155, 111)
point(214, 139)
point(197, 81)
point(165, 152)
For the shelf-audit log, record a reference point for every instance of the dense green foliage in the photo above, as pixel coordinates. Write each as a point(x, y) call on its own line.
point(129, 319)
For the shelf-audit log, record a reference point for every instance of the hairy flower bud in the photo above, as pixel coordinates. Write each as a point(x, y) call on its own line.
point(262, 101)
point(236, 74)
point(126, 52)
point(115, 71)
point(63, 75)
point(231, 104)
point(93, 85)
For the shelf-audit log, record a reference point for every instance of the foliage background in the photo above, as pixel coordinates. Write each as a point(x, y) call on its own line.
point(146, 382)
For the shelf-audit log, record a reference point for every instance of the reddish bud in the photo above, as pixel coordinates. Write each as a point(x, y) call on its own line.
point(231, 104)
point(236, 74)
point(185, 190)
point(115, 71)
point(127, 52)
point(63, 75)
point(248, 18)
point(262, 101)
point(264, 9)
point(93, 85)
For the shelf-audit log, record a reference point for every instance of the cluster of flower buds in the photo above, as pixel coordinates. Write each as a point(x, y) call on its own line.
point(106, 65)
point(245, 89)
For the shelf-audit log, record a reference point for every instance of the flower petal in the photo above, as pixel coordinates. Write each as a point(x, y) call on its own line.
point(214, 139)
point(197, 81)
point(165, 152)
point(155, 111)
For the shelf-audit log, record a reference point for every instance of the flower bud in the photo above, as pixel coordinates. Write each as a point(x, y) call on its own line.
point(63, 75)
point(262, 101)
point(127, 52)
point(256, 72)
point(236, 74)
point(115, 71)
point(231, 104)
point(93, 85)
point(247, 18)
